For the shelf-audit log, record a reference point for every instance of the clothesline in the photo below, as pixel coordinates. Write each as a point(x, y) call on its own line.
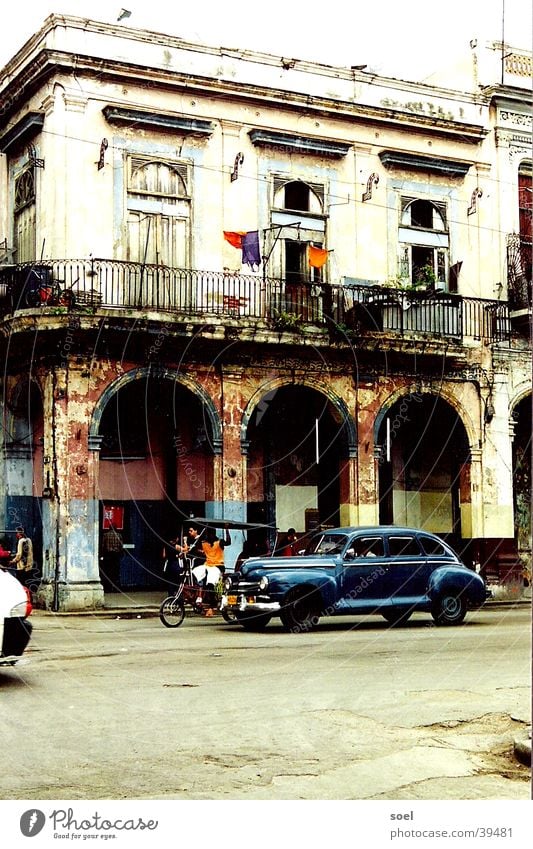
point(248, 242)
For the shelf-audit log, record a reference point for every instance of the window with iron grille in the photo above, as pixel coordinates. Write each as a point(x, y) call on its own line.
point(24, 223)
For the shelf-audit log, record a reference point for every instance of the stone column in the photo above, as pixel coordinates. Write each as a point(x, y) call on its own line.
point(70, 510)
point(230, 468)
point(366, 496)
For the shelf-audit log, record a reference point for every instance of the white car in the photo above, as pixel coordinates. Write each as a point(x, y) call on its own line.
point(15, 630)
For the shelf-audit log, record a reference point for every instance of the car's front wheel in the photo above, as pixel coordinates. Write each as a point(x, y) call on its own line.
point(229, 617)
point(449, 608)
point(299, 612)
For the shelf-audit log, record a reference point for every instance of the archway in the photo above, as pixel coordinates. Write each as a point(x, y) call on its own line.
point(423, 466)
point(298, 453)
point(157, 443)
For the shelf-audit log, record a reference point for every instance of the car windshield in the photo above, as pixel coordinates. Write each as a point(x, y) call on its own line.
point(327, 544)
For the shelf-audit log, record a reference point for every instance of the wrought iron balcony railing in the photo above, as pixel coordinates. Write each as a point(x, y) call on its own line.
point(134, 288)
point(519, 255)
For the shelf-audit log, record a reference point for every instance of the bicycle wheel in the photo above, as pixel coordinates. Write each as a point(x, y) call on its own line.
point(172, 612)
point(65, 298)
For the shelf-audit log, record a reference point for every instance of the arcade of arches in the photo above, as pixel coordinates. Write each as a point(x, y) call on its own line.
point(152, 449)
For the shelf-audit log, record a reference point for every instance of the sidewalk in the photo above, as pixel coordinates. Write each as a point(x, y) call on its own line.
point(140, 603)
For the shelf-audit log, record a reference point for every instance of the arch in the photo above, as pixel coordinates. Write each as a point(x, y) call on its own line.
point(19, 410)
point(520, 395)
point(442, 394)
point(341, 412)
point(304, 197)
point(156, 176)
point(423, 213)
point(157, 373)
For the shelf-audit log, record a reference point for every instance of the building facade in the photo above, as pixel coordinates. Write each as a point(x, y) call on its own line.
point(259, 289)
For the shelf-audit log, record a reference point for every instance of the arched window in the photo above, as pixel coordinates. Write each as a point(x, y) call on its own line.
point(424, 243)
point(298, 212)
point(158, 213)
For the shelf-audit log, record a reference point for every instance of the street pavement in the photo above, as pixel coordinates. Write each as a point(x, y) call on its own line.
point(117, 706)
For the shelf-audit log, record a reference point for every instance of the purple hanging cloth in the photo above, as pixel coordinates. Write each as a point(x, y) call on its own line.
point(250, 250)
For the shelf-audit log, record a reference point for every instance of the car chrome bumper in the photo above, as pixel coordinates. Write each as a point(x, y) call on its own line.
point(244, 604)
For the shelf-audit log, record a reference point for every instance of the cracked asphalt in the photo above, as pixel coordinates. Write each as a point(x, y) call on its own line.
point(127, 709)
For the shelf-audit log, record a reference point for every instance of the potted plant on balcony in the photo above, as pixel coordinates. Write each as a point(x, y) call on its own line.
point(282, 320)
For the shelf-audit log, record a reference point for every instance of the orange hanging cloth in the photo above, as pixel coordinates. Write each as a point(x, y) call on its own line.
point(233, 238)
point(317, 257)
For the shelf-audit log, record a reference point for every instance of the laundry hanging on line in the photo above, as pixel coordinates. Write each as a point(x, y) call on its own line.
point(249, 243)
point(234, 237)
point(317, 256)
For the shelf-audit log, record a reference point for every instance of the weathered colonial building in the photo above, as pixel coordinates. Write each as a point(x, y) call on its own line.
point(258, 288)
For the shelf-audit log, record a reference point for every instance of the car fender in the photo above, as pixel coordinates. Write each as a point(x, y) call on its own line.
point(283, 581)
point(460, 579)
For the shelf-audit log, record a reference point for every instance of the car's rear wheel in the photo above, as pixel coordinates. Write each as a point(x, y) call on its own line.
point(253, 622)
point(300, 612)
point(172, 612)
point(396, 618)
point(449, 608)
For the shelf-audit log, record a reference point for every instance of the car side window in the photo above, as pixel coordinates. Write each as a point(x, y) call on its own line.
point(433, 546)
point(404, 546)
point(327, 544)
point(368, 547)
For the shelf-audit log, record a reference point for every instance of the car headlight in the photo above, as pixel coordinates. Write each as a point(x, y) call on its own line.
point(227, 583)
point(263, 582)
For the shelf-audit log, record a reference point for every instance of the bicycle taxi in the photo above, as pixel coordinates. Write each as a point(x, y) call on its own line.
point(193, 596)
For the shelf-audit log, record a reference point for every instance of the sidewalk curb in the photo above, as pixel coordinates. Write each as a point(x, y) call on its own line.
point(102, 613)
point(146, 611)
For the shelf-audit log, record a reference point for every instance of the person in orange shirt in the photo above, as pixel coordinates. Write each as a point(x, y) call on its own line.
point(212, 570)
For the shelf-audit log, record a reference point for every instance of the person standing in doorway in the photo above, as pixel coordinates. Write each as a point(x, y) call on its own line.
point(23, 559)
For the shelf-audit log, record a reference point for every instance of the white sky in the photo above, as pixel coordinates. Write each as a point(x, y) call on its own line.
point(403, 38)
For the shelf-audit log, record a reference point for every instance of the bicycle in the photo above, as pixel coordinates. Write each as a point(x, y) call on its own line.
point(187, 592)
point(43, 291)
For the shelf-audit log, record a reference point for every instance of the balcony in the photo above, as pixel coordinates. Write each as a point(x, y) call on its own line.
point(355, 312)
point(519, 255)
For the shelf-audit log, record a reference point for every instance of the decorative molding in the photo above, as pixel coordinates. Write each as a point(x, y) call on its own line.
point(22, 132)
point(48, 104)
point(519, 64)
point(431, 164)
point(104, 144)
point(517, 119)
point(298, 144)
point(33, 159)
point(239, 159)
point(373, 180)
point(75, 102)
point(477, 193)
point(158, 121)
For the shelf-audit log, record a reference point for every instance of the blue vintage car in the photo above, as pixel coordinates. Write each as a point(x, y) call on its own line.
point(387, 570)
